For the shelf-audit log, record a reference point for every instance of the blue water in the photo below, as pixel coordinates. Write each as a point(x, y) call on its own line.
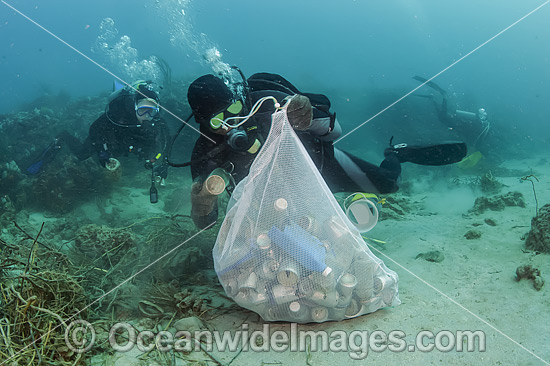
point(351, 50)
point(362, 54)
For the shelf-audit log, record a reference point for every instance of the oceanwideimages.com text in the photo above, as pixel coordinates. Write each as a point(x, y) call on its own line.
point(123, 337)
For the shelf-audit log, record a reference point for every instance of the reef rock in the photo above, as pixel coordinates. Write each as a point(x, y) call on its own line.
point(531, 273)
point(498, 203)
point(103, 244)
point(538, 238)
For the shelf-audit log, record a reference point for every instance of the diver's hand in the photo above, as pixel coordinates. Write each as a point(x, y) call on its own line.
point(160, 169)
point(112, 164)
point(103, 157)
point(202, 202)
point(299, 112)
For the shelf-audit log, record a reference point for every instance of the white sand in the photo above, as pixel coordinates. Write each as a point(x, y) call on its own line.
point(472, 289)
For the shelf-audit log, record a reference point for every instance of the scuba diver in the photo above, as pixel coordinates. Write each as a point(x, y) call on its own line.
point(215, 102)
point(473, 126)
point(130, 125)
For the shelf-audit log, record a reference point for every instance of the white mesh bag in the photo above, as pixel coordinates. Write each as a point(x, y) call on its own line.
point(287, 251)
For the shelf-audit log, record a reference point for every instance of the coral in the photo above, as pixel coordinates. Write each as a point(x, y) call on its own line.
point(538, 238)
point(12, 183)
point(473, 234)
point(395, 207)
point(7, 211)
point(432, 256)
point(103, 245)
point(67, 182)
point(490, 222)
point(489, 184)
point(497, 203)
point(531, 273)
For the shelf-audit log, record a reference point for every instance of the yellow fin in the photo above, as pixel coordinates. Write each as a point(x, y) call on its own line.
point(470, 161)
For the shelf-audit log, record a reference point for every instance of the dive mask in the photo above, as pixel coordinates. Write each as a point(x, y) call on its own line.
point(147, 109)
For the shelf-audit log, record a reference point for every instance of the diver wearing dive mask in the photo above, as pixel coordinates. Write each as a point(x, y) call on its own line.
point(130, 125)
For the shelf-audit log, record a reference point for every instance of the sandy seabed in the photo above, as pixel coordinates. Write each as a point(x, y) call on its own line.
point(472, 291)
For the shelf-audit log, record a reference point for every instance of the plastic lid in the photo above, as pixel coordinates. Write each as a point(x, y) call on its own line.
point(280, 204)
point(215, 185)
point(263, 241)
point(294, 306)
point(348, 280)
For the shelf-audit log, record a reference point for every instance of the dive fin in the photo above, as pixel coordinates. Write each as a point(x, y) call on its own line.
point(47, 155)
point(35, 167)
point(431, 84)
point(470, 161)
point(117, 85)
point(439, 154)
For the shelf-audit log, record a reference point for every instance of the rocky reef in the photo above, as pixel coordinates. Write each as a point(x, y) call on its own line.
point(103, 245)
point(530, 273)
point(68, 182)
point(497, 202)
point(24, 136)
point(538, 238)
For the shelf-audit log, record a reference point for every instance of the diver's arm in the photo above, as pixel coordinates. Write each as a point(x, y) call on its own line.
point(98, 142)
point(326, 128)
point(467, 115)
point(204, 206)
point(158, 154)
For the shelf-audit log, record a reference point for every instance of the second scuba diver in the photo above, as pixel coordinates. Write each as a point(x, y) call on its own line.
point(131, 124)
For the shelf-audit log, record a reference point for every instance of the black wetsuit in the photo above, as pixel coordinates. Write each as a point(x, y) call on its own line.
point(342, 171)
point(116, 134)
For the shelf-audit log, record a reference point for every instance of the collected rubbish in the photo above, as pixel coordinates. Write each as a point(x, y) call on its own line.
point(287, 251)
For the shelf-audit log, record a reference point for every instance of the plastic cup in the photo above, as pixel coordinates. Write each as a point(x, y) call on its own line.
point(298, 311)
point(328, 299)
point(283, 294)
point(288, 274)
point(319, 314)
point(231, 287)
point(338, 313)
point(380, 283)
point(216, 182)
point(363, 214)
point(354, 309)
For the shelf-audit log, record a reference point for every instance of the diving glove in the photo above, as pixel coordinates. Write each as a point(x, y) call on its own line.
point(104, 157)
point(300, 112)
point(160, 169)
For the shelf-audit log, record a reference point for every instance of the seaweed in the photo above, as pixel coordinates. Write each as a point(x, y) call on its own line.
point(38, 298)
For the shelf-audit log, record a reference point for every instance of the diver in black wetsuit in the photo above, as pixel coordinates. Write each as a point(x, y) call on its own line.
point(130, 125)
point(212, 102)
point(474, 127)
